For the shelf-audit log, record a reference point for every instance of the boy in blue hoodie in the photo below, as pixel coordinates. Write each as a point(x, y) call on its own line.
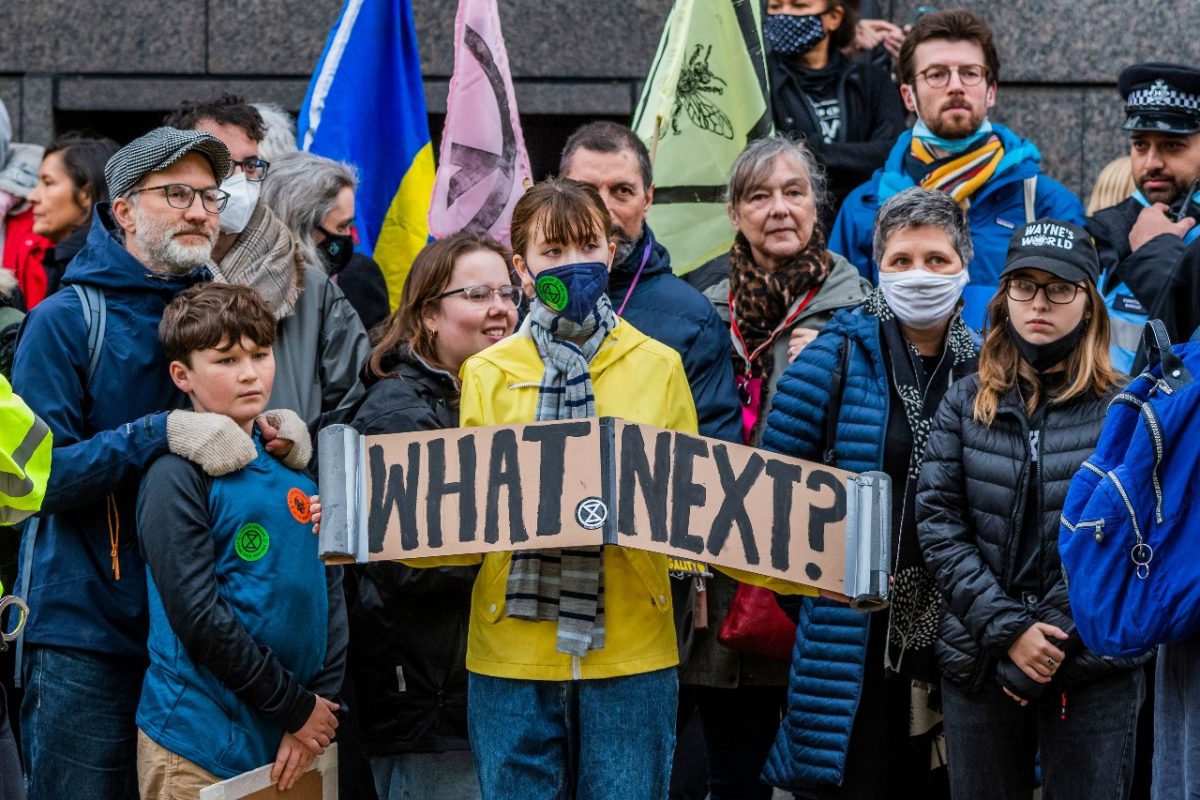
point(247, 627)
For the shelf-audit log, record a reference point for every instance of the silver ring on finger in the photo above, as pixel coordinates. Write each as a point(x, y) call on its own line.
point(1050, 662)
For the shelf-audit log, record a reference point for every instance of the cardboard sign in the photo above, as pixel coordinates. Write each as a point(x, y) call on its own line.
point(602, 481)
point(319, 782)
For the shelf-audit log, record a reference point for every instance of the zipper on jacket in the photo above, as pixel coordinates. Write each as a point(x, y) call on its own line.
point(1095, 524)
point(1141, 553)
point(576, 668)
point(1156, 441)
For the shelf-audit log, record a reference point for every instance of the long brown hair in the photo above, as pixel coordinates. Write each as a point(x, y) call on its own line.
point(1089, 367)
point(427, 279)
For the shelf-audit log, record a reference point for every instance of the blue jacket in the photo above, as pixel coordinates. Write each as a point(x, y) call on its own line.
point(995, 210)
point(246, 624)
point(829, 660)
point(666, 308)
point(104, 436)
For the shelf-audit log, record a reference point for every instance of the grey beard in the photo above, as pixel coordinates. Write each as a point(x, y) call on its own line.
point(165, 255)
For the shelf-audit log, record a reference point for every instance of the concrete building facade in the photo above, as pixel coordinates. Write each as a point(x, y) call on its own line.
point(115, 68)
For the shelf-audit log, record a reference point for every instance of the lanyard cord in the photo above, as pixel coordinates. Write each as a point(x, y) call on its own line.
point(638, 274)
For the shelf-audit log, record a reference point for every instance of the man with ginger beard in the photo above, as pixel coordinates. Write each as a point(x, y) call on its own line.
point(948, 73)
point(1142, 239)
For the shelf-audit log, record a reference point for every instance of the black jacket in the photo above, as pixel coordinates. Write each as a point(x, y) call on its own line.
point(363, 284)
point(971, 547)
point(666, 308)
point(1147, 271)
point(56, 259)
point(873, 116)
point(408, 627)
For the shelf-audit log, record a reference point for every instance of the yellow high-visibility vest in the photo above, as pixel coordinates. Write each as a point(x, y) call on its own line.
point(24, 457)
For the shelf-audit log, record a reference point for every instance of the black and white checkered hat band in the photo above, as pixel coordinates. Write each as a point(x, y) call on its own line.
point(1162, 96)
point(159, 149)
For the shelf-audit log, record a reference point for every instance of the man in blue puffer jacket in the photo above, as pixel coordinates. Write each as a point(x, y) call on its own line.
point(948, 71)
point(858, 721)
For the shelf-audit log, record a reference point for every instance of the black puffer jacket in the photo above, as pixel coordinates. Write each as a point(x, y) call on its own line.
point(970, 505)
point(408, 627)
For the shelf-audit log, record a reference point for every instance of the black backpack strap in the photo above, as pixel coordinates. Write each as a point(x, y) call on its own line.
point(837, 387)
point(1158, 351)
point(95, 317)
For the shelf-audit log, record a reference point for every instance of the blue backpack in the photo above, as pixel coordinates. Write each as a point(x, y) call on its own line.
point(1130, 535)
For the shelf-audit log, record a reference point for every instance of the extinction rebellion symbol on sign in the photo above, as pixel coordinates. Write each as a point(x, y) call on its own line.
point(591, 513)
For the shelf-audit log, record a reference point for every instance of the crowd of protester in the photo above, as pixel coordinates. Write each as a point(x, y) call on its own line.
point(181, 315)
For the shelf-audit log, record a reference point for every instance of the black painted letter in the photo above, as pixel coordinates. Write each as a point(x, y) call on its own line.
point(685, 493)
point(388, 490)
point(553, 439)
point(504, 472)
point(733, 507)
point(464, 487)
point(636, 471)
point(783, 476)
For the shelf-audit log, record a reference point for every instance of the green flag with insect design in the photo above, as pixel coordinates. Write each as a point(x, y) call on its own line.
point(706, 96)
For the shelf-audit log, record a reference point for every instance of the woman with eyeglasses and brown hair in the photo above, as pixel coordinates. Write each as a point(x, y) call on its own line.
point(1017, 682)
point(408, 627)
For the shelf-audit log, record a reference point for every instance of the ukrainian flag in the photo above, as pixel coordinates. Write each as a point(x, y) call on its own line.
point(366, 106)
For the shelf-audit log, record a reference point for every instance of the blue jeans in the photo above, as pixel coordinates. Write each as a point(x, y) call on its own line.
point(78, 734)
point(1177, 722)
point(426, 776)
point(607, 739)
point(992, 743)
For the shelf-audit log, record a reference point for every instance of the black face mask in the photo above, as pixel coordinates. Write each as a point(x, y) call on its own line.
point(336, 250)
point(1044, 356)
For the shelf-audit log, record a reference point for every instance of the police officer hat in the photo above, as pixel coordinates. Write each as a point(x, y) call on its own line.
point(1163, 98)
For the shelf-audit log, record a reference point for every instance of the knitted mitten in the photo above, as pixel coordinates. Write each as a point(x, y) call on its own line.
point(213, 441)
point(289, 426)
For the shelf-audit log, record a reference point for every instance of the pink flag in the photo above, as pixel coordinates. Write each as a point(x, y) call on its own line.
point(483, 163)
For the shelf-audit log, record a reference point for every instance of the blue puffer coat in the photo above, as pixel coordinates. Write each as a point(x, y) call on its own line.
point(829, 660)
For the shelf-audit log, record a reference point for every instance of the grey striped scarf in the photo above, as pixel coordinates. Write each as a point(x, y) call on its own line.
point(564, 585)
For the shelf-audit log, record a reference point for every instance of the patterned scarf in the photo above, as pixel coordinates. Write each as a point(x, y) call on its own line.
point(915, 603)
point(556, 584)
point(266, 257)
point(760, 297)
point(961, 175)
point(914, 607)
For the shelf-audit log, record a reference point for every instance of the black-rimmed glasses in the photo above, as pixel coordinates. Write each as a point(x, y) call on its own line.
point(255, 169)
point(180, 195)
point(481, 293)
point(1058, 292)
point(938, 76)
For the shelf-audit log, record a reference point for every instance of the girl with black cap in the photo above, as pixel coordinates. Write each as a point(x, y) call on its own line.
point(1016, 680)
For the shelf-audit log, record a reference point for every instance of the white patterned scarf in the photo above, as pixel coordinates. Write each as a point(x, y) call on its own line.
point(557, 584)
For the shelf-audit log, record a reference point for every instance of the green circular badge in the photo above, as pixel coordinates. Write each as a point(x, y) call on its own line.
point(252, 542)
point(552, 291)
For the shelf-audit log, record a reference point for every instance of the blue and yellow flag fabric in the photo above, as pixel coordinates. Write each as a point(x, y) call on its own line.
point(366, 105)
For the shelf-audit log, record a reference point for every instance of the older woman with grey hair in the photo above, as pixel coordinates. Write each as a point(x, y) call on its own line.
point(314, 196)
point(776, 288)
point(881, 371)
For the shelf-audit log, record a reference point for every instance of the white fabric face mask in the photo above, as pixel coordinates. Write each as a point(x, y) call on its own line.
point(243, 197)
point(922, 299)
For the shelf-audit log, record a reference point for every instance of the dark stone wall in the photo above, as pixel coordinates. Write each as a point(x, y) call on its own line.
point(115, 67)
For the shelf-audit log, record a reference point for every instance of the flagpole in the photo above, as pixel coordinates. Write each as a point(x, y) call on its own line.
point(654, 139)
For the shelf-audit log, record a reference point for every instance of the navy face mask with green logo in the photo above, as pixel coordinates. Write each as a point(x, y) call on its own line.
point(572, 289)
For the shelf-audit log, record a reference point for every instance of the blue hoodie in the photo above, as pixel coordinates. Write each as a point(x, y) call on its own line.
point(994, 211)
point(105, 434)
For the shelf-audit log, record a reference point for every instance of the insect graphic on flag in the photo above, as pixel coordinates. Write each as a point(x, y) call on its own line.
point(695, 81)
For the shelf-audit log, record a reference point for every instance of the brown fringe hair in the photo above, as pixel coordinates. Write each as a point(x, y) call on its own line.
point(1089, 368)
point(214, 315)
point(565, 211)
point(429, 276)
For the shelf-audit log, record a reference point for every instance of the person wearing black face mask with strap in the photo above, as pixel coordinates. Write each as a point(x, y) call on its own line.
point(314, 196)
point(1017, 682)
point(848, 112)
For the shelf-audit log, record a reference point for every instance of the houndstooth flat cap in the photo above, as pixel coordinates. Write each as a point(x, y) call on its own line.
point(159, 149)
